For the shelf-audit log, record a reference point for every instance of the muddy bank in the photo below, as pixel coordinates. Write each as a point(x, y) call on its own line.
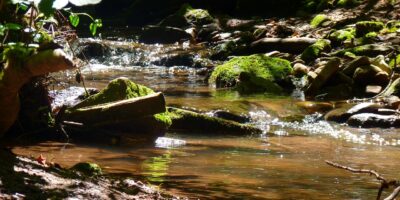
point(27, 178)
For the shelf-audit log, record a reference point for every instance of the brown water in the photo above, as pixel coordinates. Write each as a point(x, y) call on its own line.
point(287, 162)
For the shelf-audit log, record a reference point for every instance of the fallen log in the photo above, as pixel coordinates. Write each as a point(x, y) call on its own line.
point(16, 73)
point(118, 111)
point(289, 45)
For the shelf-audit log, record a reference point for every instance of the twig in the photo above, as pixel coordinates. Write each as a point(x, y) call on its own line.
point(385, 184)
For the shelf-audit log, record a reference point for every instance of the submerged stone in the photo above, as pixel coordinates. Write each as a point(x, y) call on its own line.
point(255, 73)
point(192, 122)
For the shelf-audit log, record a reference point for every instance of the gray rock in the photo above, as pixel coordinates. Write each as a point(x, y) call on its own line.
point(368, 120)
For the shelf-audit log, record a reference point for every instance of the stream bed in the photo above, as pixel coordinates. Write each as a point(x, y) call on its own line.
point(286, 162)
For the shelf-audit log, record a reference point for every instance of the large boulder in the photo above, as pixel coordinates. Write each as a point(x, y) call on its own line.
point(255, 73)
point(120, 90)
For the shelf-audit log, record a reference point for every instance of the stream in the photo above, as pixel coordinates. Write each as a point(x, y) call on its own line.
point(286, 162)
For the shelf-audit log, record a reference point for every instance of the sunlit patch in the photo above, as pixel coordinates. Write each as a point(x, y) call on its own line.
point(312, 125)
point(168, 143)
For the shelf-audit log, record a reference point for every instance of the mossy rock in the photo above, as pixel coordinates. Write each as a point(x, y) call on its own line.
point(319, 20)
point(316, 5)
point(254, 73)
point(121, 89)
point(392, 26)
point(368, 38)
point(364, 27)
point(314, 51)
point(340, 36)
point(87, 169)
point(192, 122)
point(370, 50)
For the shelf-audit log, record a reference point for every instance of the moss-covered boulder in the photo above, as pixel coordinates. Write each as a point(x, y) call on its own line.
point(314, 51)
point(255, 73)
point(192, 122)
point(365, 27)
point(366, 50)
point(342, 36)
point(319, 20)
point(122, 89)
point(187, 15)
point(87, 169)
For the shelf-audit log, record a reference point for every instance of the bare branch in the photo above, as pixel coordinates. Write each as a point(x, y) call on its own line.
point(394, 194)
point(364, 171)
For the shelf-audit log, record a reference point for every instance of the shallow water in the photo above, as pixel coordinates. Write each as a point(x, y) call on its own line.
point(286, 162)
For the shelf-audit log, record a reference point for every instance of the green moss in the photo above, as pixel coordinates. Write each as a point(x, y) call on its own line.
point(392, 62)
point(88, 169)
point(392, 26)
point(252, 73)
point(120, 89)
point(189, 121)
point(318, 20)
point(365, 27)
point(198, 16)
point(315, 5)
point(313, 51)
point(366, 50)
point(347, 3)
point(343, 35)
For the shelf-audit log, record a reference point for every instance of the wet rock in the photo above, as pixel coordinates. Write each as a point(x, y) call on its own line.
point(92, 49)
point(326, 73)
point(207, 32)
point(226, 49)
point(370, 75)
point(365, 108)
point(350, 67)
point(192, 122)
point(314, 51)
point(180, 59)
point(300, 70)
point(230, 116)
point(239, 24)
point(380, 62)
point(365, 27)
point(164, 35)
point(339, 115)
point(373, 89)
point(369, 120)
point(255, 73)
point(313, 107)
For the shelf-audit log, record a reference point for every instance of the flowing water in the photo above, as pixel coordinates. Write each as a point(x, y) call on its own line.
point(286, 162)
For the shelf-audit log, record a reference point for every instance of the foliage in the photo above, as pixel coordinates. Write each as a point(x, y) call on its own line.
point(318, 20)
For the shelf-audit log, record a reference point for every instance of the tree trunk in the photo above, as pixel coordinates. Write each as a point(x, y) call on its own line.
point(15, 76)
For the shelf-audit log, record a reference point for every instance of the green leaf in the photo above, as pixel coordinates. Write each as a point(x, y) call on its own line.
point(84, 2)
point(46, 7)
point(13, 26)
point(22, 6)
point(74, 19)
point(2, 29)
point(93, 28)
point(98, 23)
